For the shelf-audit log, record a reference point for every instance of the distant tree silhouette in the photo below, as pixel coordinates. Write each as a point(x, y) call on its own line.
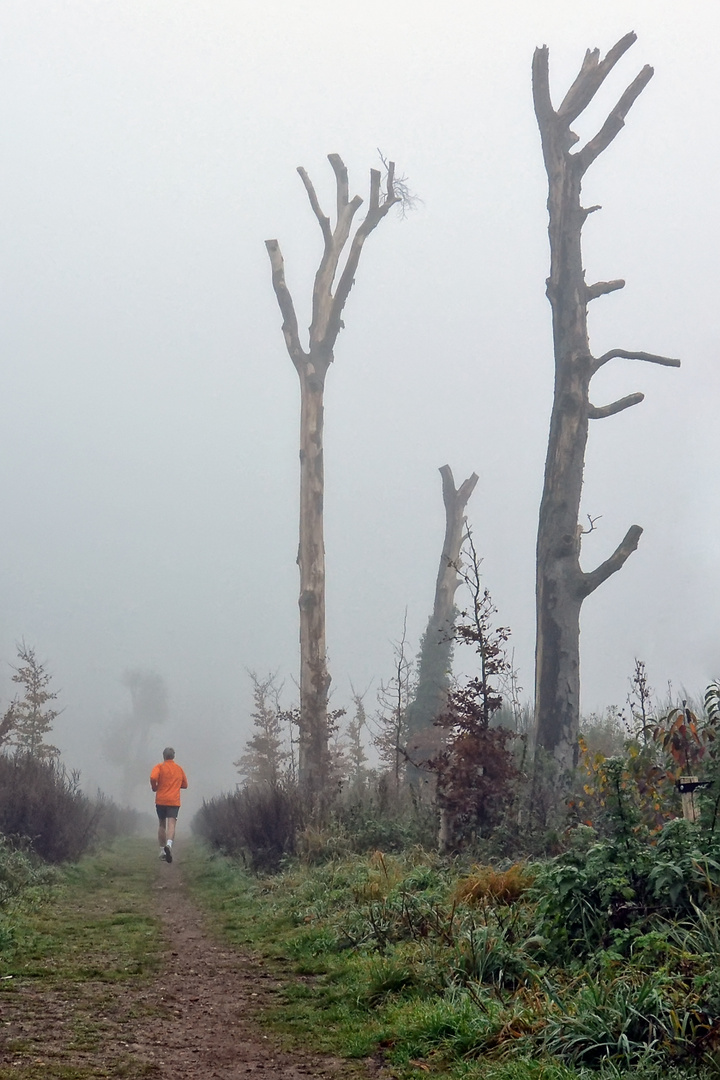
point(127, 739)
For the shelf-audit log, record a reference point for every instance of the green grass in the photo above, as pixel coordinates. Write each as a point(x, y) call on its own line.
point(377, 959)
point(93, 923)
point(73, 942)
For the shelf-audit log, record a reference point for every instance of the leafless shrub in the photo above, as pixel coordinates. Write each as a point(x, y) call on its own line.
point(259, 823)
point(42, 807)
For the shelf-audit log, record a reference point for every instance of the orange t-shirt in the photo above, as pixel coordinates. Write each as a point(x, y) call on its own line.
point(166, 779)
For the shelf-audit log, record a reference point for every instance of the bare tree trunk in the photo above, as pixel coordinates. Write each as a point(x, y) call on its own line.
point(314, 676)
point(436, 649)
point(561, 584)
point(312, 366)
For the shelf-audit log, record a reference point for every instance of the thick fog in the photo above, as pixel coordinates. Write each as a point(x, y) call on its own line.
point(149, 412)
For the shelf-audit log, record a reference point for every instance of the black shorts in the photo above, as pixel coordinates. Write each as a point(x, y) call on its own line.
point(166, 812)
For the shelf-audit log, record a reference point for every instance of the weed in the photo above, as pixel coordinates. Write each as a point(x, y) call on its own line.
point(496, 886)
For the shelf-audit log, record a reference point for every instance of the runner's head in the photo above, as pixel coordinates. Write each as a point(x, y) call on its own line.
point(168, 753)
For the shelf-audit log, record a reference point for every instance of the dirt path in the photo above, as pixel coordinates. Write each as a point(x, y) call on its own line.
point(195, 1021)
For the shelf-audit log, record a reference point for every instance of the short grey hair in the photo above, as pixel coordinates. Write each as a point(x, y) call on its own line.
point(168, 753)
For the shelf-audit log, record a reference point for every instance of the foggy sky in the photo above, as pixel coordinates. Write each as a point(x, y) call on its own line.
point(149, 411)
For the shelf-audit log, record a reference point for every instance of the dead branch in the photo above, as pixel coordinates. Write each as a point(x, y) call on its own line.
point(555, 126)
point(323, 220)
point(615, 121)
point(599, 413)
point(541, 88)
point(590, 582)
point(398, 187)
point(343, 187)
point(590, 78)
point(624, 354)
point(453, 495)
point(591, 525)
point(374, 189)
point(376, 212)
point(285, 303)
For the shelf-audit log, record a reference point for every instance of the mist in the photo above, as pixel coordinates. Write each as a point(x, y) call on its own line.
point(149, 414)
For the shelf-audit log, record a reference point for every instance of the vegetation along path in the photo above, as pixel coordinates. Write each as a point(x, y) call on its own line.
point(120, 975)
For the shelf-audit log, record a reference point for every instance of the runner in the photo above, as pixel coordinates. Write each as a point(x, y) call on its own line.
point(166, 780)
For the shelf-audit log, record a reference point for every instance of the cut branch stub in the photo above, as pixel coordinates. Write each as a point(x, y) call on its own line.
point(601, 288)
point(595, 413)
point(619, 557)
point(624, 354)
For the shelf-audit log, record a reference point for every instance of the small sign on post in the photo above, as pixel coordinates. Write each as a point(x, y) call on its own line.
point(687, 786)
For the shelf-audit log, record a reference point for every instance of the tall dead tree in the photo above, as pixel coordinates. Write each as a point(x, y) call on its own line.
point(312, 364)
point(561, 584)
point(430, 697)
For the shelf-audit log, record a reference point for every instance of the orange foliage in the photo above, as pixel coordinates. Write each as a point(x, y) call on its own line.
point(497, 886)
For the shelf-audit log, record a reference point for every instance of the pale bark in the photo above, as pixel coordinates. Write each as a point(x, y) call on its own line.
point(312, 364)
point(431, 695)
point(561, 584)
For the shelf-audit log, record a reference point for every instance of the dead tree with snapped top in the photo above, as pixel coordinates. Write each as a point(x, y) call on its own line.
point(430, 698)
point(312, 364)
point(561, 584)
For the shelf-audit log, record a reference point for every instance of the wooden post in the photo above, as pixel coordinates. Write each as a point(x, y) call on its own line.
point(687, 786)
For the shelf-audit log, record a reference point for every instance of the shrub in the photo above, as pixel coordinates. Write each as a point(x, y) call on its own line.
point(18, 873)
point(381, 818)
point(260, 823)
point(113, 820)
point(42, 806)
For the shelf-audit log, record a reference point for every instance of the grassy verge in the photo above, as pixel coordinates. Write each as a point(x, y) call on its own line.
point(69, 948)
point(92, 921)
point(384, 957)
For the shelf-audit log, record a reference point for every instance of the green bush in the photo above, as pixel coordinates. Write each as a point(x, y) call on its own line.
point(18, 873)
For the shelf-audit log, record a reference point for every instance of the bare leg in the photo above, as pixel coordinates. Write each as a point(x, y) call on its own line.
point(170, 823)
point(161, 832)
